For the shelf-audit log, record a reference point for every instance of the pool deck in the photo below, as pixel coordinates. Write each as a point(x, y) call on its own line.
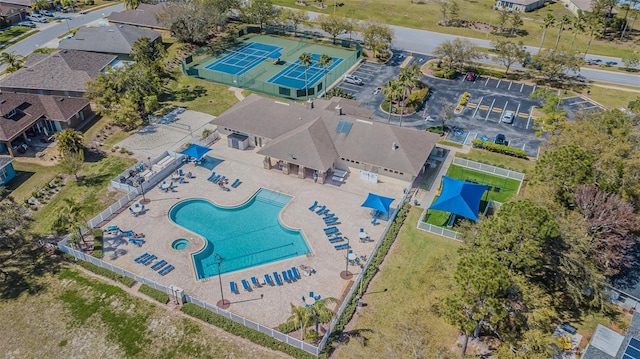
point(273, 307)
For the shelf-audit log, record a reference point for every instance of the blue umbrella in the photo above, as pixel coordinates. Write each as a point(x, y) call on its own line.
point(377, 202)
point(275, 55)
point(196, 151)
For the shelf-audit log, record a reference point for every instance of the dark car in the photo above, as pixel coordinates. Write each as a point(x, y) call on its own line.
point(471, 76)
point(501, 140)
point(611, 63)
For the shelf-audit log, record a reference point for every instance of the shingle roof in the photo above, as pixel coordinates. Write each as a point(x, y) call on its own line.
point(114, 39)
point(521, 2)
point(311, 136)
point(66, 70)
point(32, 108)
point(19, 2)
point(144, 15)
point(5, 160)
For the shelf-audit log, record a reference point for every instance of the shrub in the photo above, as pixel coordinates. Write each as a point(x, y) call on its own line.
point(238, 329)
point(286, 327)
point(417, 98)
point(97, 243)
point(494, 147)
point(129, 282)
point(436, 129)
point(158, 295)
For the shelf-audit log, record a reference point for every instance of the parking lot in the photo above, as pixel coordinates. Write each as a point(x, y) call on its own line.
point(575, 104)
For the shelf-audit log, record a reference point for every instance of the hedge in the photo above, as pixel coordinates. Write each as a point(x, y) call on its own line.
point(129, 282)
point(449, 74)
point(494, 147)
point(370, 272)
point(98, 236)
point(240, 330)
point(158, 295)
point(436, 129)
point(418, 97)
point(287, 327)
point(486, 72)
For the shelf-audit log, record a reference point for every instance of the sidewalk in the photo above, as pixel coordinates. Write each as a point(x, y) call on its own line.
point(429, 196)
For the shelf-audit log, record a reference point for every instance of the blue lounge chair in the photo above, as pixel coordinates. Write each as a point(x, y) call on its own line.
point(267, 279)
point(310, 294)
point(234, 287)
point(255, 282)
point(148, 260)
point(329, 216)
point(246, 285)
point(136, 241)
point(141, 257)
point(296, 274)
point(374, 221)
point(277, 278)
point(166, 270)
point(331, 221)
point(285, 276)
point(236, 183)
point(213, 174)
point(216, 178)
point(317, 297)
point(290, 274)
point(159, 265)
point(313, 206)
point(180, 172)
point(112, 228)
point(128, 233)
point(321, 209)
point(341, 246)
point(324, 213)
point(336, 239)
point(330, 229)
point(332, 232)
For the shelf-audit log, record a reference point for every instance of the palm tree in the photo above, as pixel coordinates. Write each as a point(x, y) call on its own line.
point(564, 22)
point(39, 5)
point(131, 4)
point(325, 61)
point(306, 60)
point(549, 21)
point(69, 141)
point(594, 25)
point(320, 312)
point(299, 318)
point(578, 26)
point(391, 90)
point(69, 218)
point(407, 78)
point(12, 60)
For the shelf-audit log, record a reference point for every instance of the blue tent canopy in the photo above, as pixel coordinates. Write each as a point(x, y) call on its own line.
point(196, 151)
point(275, 55)
point(460, 197)
point(378, 202)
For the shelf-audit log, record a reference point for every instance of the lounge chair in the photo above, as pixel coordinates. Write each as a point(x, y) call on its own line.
point(180, 172)
point(313, 206)
point(255, 282)
point(321, 209)
point(310, 294)
point(330, 229)
point(336, 239)
point(166, 270)
point(136, 241)
point(296, 274)
point(216, 178)
point(290, 274)
point(135, 214)
point(246, 285)
point(285, 276)
point(277, 278)
point(324, 213)
point(331, 221)
point(329, 216)
point(141, 257)
point(341, 246)
point(112, 229)
point(332, 232)
point(234, 287)
point(148, 260)
point(159, 265)
point(317, 297)
point(236, 183)
point(128, 233)
point(374, 221)
point(213, 174)
point(267, 278)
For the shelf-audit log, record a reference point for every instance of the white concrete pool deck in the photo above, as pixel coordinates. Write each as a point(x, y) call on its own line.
point(273, 308)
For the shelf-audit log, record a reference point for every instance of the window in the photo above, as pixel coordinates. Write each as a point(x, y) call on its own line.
point(4, 174)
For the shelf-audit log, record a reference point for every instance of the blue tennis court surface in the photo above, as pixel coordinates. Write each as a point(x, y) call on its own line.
point(293, 75)
point(244, 59)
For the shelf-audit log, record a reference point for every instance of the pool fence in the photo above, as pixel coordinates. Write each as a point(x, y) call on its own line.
point(498, 171)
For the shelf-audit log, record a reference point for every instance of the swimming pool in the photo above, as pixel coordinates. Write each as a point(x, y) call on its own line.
point(244, 236)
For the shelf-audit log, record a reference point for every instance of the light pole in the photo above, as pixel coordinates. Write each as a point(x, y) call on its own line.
point(139, 181)
point(346, 275)
point(68, 27)
point(222, 303)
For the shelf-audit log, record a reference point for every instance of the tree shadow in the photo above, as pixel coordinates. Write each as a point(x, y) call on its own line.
point(22, 271)
point(20, 178)
point(90, 181)
point(94, 155)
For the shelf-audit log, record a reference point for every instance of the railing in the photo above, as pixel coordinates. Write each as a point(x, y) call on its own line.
point(498, 171)
point(113, 209)
point(428, 227)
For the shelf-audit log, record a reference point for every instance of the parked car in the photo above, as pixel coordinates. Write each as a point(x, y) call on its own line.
point(354, 80)
point(471, 76)
point(501, 140)
point(611, 63)
point(61, 9)
point(37, 18)
point(26, 24)
point(46, 13)
point(508, 116)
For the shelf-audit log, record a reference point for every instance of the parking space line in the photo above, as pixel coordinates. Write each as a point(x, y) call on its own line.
point(502, 112)
point(513, 123)
point(476, 111)
point(510, 83)
point(498, 84)
point(486, 82)
point(489, 112)
point(534, 89)
point(529, 119)
point(590, 107)
point(522, 87)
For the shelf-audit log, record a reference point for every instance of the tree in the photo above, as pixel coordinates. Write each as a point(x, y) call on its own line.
point(578, 26)
point(553, 64)
point(333, 25)
point(593, 25)
point(447, 113)
point(299, 319)
point(149, 54)
point(631, 60)
point(294, 18)
point(325, 61)
point(392, 90)
point(564, 169)
point(13, 61)
point(516, 22)
point(564, 22)
point(306, 60)
point(70, 218)
point(192, 21)
point(503, 17)
point(319, 311)
point(72, 162)
point(65, 3)
point(40, 5)
point(627, 7)
point(260, 12)
point(454, 12)
point(408, 78)
point(444, 10)
point(69, 141)
point(377, 37)
point(131, 4)
point(548, 22)
point(509, 53)
point(634, 105)
point(457, 52)
point(554, 116)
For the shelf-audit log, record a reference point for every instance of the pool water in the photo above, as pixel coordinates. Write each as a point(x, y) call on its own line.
point(244, 236)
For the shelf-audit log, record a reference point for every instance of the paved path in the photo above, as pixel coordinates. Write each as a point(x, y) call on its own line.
point(430, 195)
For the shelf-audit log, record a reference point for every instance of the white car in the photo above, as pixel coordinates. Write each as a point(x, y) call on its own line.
point(46, 13)
point(508, 117)
point(354, 80)
point(37, 18)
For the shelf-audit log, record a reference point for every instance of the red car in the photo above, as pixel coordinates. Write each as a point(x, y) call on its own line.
point(471, 76)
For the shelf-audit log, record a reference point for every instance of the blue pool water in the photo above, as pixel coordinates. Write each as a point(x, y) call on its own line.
point(244, 236)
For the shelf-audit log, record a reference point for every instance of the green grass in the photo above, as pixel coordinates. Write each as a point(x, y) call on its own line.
point(216, 99)
point(611, 98)
point(414, 277)
point(28, 177)
point(450, 143)
point(499, 160)
point(12, 32)
point(611, 317)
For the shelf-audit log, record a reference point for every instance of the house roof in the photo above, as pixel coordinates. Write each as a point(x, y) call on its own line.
point(10, 10)
point(26, 3)
point(608, 344)
point(65, 70)
point(521, 2)
point(144, 15)
point(114, 39)
point(29, 108)
point(313, 137)
point(5, 160)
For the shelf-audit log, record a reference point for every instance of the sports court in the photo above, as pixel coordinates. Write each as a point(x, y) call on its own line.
point(294, 75)
point(245, 58)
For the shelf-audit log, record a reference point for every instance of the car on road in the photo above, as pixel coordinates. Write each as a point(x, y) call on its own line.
point(46, 13)
point(37, 18)
point(26, 24)
point(501, 140)
point(611, 63)
point(508, 116)
point(471, 76)
point(354, 80)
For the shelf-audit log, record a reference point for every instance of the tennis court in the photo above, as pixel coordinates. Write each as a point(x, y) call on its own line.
point(245, 58)
point(293, 76)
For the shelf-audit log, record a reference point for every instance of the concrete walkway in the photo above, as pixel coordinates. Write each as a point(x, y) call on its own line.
point(430, 195)
point(237, 92)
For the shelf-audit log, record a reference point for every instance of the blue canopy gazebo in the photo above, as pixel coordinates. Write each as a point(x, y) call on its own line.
point(196, 151)
point(460, 198)
point(377, 203)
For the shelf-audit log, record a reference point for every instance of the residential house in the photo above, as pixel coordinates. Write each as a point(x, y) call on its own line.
point(24, 5)
point(11, 14)
point(6, 170)
point(25, 118)
point(144, 15)
point(582, 5)
point(324, 137)
point(608, 344)
point(520, 5)
point(114, 39)
point(63, 73)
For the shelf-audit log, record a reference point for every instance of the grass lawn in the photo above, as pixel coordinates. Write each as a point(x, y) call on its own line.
point(610, 98)
point(12, 32)
point(28, 177)
point(499, 160)
point(214, 100)
point(611, 317)
point(74, 315)
point(415, 275)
